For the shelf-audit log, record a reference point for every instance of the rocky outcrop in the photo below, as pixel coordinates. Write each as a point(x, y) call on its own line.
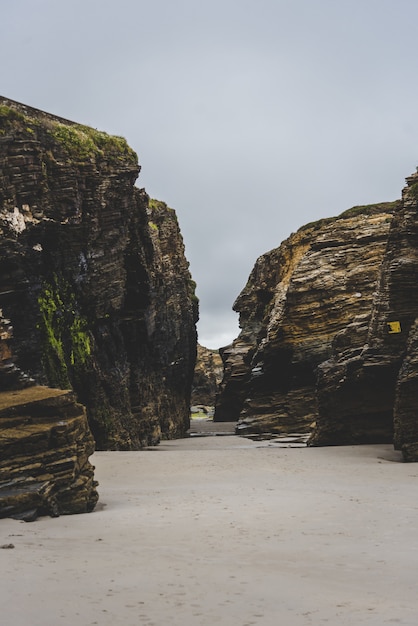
point(252, 304)
point(298, 300)
point(367, 391)
point(329, 339)
point(45, 444)
point(95, 291)
point(207, 376)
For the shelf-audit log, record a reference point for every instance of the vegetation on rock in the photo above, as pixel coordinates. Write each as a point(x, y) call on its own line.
point(363, 209)
point(83, 142)
point(66, 340)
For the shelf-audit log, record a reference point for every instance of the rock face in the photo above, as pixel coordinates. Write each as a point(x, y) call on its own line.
point(298, 302)
point(45, 443)
point(368, 390)
point(207, 376)
point(95, 291)
point(329, 340)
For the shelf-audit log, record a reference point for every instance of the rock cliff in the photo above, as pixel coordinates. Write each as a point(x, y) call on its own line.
point(329, 339)
point(207, 376)
point(368, 389)
point(298, 300)
point(95, 291)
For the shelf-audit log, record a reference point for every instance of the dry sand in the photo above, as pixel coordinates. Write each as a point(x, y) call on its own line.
point(225, 531)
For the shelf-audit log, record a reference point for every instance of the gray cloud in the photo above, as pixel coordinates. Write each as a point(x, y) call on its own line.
point(250, 118)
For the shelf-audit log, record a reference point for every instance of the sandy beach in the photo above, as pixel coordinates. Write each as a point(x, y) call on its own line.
point(225, 531)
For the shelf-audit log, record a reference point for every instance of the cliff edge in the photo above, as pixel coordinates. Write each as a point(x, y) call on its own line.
point(95, 291)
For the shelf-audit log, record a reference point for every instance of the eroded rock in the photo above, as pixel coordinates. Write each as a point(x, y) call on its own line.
point(370, 394)
point(207, 376)
point(45, 445)
point(298, 300)
point(329, 340)
point(95, 290)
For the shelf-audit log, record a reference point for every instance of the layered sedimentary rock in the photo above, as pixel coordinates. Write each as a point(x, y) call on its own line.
point(45, 444)
point(329, 337)
point(368, 390)
point(298, 299)
point(252, 304)
point(207, 376)
point(406, 400)
point(95, 291)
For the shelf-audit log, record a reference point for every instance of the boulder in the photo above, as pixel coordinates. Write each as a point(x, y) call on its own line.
point(45, 444)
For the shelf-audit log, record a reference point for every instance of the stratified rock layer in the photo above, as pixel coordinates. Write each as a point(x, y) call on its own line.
point(298, 299)
point(207, 376)
point(45, 444)
point(95, 291)
point(329, 337)
point(370, 392)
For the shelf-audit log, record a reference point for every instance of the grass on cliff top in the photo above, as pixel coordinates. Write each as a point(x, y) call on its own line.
point(80, 142)
point(362, 209)
point(83, 143)
point(159, 211)
point(154, 204)
point(9, 113)
point(11, 119)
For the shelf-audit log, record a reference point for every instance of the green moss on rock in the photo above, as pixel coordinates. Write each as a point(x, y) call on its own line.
point(50, 307)
point(7, 113)
point(65, 337)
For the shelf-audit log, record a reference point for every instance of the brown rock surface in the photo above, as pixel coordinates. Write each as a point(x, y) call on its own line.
point(369, 393)
point(207, 376)
point(330, 332)
point(298, 299)
point(95, 290)
point(45, 444)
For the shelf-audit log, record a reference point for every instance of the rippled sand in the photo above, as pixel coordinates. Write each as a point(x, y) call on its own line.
point(225, 531)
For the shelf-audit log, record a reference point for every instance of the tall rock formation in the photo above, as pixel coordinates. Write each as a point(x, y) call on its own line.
point(298, 299)
point(368, 390)
point(95, 291)
point(329, 340)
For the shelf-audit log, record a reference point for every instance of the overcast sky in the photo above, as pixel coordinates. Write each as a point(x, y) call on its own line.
point(250, 117)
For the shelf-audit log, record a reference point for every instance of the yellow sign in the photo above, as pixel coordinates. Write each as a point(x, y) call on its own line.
point(394, 327)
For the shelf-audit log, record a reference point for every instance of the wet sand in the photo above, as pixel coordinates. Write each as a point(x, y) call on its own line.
point(225, 531)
